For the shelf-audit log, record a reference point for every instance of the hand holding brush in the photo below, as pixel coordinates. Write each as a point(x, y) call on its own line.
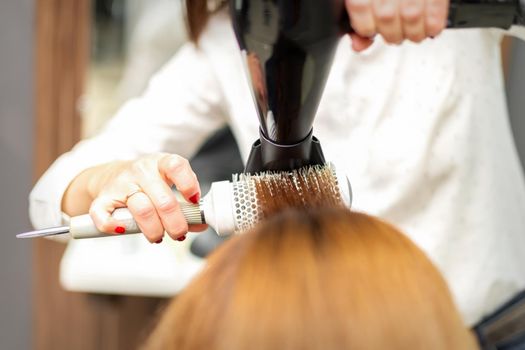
point(237, 205)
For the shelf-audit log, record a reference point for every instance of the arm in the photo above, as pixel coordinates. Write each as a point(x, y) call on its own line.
point(181, 107)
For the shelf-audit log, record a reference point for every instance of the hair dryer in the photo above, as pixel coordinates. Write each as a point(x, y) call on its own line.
point(288, 47)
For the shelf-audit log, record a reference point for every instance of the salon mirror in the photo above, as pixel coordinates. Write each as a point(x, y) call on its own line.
point(130, 41)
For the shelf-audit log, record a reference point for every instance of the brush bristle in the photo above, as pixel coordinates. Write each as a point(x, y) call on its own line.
point(264, 194)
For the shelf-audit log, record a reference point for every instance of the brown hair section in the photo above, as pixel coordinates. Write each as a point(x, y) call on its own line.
point(197, 13)
point(324, 279)
point(197, 17)
point(309, 187)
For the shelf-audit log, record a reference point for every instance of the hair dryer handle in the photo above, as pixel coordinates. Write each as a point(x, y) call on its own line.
point(474, 14)
point(484, 13)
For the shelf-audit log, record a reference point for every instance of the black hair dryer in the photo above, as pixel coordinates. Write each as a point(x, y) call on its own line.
point(288, 48)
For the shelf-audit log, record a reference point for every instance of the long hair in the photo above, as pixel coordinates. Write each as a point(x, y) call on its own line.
point(329, 279)
point(197, 15)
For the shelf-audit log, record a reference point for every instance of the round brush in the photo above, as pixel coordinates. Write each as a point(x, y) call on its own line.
point(237, 205)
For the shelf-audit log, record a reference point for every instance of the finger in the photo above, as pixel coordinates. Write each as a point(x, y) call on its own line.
point(436, 16)
point(178, 170)
point(166, 205)
point(146, 216)
point(413, 19)
point(361, 17)
point(359, 43)
point(388, 22)
point(100, 211)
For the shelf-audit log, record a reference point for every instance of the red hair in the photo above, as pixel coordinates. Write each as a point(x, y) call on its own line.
point(330, 279)
point(197, 14)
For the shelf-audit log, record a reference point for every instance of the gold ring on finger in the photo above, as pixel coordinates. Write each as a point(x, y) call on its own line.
point(132, 193)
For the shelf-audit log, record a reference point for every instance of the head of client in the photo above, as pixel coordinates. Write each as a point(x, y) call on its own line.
point(324, 279)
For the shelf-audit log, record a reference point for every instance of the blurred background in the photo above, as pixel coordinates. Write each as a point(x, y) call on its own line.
point(65, 67)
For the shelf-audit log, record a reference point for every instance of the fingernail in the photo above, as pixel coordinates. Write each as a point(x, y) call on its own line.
point(195, 198)
point(120, 229)
point(158, 241)
point(181, 238)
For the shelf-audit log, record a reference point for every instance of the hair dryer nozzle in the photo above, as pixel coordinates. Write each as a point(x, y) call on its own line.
point(268, 155)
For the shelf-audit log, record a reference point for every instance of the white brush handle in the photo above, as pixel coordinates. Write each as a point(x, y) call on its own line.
point(82, 226)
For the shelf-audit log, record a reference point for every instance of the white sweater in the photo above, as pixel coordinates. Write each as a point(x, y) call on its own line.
point(421, 130)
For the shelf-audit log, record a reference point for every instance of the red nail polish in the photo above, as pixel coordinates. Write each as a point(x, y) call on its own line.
point(159, 241)
point(120, 229)
point(195, 198)
point(181, 238)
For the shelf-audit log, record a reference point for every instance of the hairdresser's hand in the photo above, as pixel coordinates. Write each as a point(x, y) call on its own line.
point(142, 185)
point(395, 20)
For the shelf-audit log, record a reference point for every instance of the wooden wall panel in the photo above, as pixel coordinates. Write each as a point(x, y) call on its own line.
point(64, 320)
